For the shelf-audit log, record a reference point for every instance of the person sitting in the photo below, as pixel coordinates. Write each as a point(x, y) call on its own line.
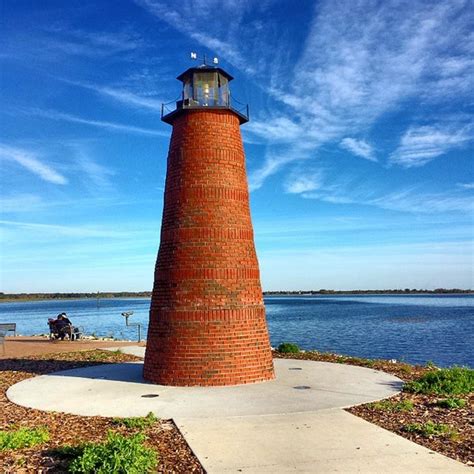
point(60, 327)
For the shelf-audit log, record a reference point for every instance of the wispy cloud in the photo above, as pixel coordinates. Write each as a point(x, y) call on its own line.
point(73, 41)
point(20, 203)
point(298, 183)
point(96, 173)
point(122, 96)
point(190, 18)
point(359, 148)
point(30, 161)
point(405, 200)
point(466, 185)
point(112, 126)
point(69, 231)
point(420, 145)
point(356, 68)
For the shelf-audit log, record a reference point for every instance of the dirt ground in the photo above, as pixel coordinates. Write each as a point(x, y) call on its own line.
point(24, 346)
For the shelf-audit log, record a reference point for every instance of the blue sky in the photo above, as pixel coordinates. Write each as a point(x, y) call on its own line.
point(359, 149)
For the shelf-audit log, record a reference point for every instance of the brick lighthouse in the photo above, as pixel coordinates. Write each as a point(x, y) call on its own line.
point(207, 317)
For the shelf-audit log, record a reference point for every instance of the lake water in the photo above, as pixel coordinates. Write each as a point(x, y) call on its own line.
point(415, 328)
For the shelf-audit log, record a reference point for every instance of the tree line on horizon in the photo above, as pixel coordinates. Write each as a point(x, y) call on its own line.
point(146, 294)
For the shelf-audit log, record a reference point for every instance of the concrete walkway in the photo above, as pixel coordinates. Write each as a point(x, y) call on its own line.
point(292, 424)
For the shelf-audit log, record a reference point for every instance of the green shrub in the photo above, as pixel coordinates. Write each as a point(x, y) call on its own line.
point(388, 405)
point(288, 348)
point(451, 403)
point(452, 381)
point(23, 438)
point(118, 455)
point(140, 422)
point(430, 429)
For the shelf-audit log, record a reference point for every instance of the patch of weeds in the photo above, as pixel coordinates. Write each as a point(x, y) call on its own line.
point(288, 348)
point(140, 422)
point(389, 405)
point(98, 356)
point(452, 381)
point(451, 403)
point(23, 438)
point(406, 369)
point(119, 454)
point(361, 361)
point(429, 429)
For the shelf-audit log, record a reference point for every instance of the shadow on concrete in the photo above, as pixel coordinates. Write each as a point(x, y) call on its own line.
point(117, 372)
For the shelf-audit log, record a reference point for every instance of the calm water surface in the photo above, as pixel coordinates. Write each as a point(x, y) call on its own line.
point(415, 328)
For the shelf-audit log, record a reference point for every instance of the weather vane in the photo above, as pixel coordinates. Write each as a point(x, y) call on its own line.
point(195, 56)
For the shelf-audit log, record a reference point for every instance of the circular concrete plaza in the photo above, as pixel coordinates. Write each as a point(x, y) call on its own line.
point(118, 390)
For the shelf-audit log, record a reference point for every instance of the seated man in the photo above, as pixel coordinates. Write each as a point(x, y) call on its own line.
point(61, 326)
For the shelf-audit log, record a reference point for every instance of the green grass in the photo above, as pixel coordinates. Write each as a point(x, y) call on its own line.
point(429, 429)
point(288, 348)
point(451, 403)
point(452, 381)
point(23, 438)
point(118, 455)
point(141, 422)
point(388, 405)
point(99, 355)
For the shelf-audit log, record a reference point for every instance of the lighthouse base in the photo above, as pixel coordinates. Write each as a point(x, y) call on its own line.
point(208, 348)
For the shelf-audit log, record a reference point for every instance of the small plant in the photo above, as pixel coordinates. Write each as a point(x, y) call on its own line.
point(430, 365)
point(452, 381)
point(389, 405)
point(288, 348)
point(451, 403)
point(118, 455)
point(23, 438)
point(98, 356)
point(429, 429)
point(136, 422)
point(406, 369)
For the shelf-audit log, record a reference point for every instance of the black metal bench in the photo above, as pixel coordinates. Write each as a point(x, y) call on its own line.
point(5, 327)
point(74, 332)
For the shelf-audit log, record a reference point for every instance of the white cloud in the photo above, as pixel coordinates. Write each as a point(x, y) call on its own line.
point(359, 148)
point(30, 161)
point(357, 67)
point(404, 200)
point(113, 126)
point(299, 183)
point(121, 95)
point(192, 16)
point(466, 185)
point(67, 231)
point(421, 144)
point(20, 203)
point(98, 174)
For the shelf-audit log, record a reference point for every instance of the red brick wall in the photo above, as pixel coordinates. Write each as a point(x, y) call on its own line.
point(207, 318)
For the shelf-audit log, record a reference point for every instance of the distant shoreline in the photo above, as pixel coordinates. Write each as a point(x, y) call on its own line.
point(17, 297)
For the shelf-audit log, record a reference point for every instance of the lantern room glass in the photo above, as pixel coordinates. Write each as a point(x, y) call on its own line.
point(206, 89)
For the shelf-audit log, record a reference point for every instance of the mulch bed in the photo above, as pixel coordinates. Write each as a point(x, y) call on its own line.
point(459, 447)
point(175, 456)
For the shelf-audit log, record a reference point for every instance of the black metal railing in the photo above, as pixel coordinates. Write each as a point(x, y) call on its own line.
point(180, 103)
